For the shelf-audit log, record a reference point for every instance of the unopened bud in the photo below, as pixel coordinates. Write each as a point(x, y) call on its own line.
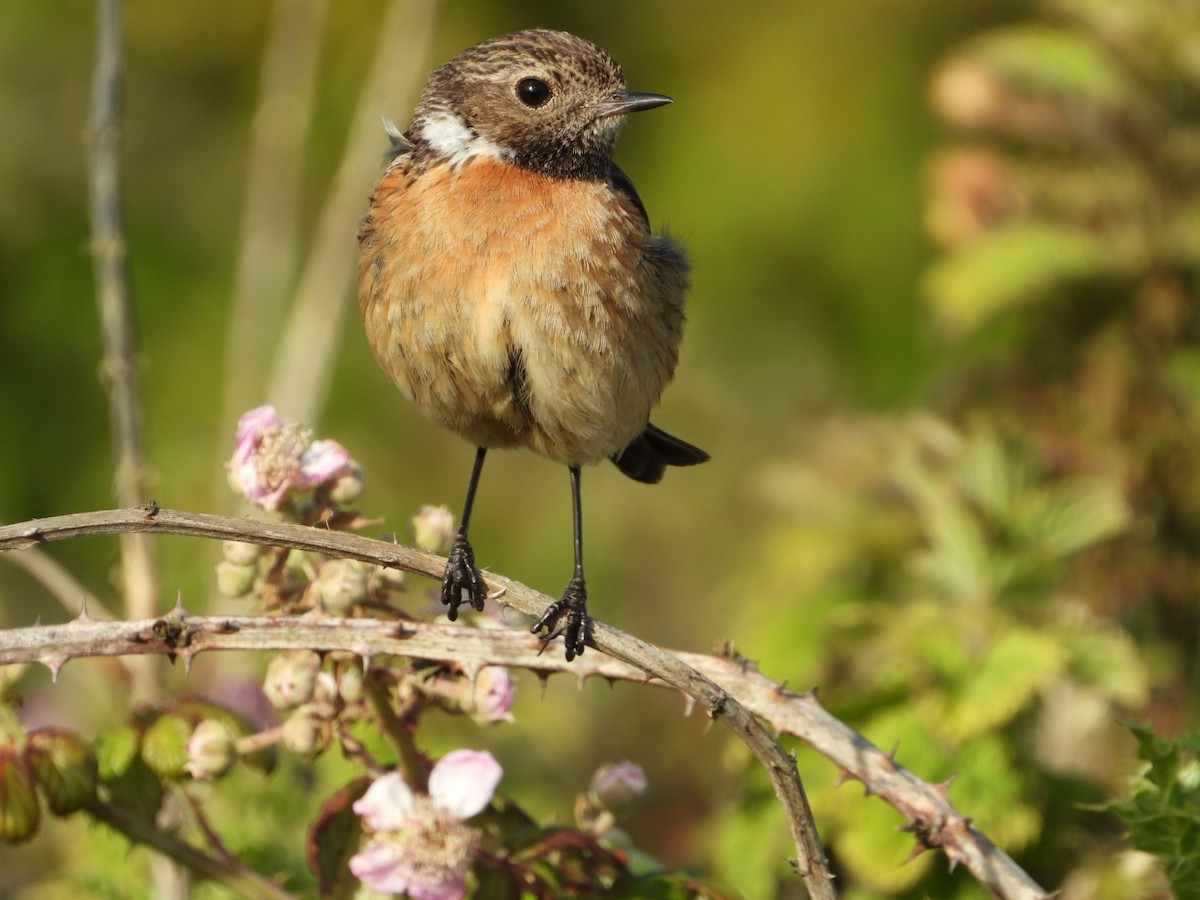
point(241, 553)
point(615, 787)
point(350, 682)
point(64, 767)
point(341, 584)
point(211, 751)
point(291, 678)
point(19, 811)
point(234, 579)
point(348, 487)
point(433, 528)
point(492, 696)
point(300, 732)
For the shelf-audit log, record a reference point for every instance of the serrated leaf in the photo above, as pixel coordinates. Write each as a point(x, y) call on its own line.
point(164, 745)
point(115, 751)
point(65, 768)
point(1009, 267)
point(1075, 514)
point(1017, 666)
point(1163, 814)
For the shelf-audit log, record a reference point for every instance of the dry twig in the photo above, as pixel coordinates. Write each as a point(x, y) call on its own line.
point(727, 688)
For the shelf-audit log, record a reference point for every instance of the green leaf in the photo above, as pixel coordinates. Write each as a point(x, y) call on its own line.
point(1163, 814)
point(1048, 60)
point(1075, 514)
point(115, 751)
point(1019, 665)
point(1009, 267)
point(164, 745)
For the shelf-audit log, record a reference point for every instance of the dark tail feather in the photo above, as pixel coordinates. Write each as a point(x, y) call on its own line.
point(647, 458)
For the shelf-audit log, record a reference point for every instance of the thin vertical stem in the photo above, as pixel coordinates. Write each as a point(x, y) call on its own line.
point(113, 297)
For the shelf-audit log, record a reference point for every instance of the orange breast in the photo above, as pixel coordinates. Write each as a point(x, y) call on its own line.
point(519, 309)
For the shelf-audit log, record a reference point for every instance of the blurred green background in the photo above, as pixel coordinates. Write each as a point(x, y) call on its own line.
point(793, 165)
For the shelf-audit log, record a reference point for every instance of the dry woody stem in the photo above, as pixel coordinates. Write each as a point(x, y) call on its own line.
point(727, 688)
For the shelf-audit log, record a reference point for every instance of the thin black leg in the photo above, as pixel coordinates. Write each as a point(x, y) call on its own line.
point(576, 628)
point(461, 575)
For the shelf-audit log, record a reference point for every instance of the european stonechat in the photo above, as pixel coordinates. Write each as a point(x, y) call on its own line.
point(510, 283)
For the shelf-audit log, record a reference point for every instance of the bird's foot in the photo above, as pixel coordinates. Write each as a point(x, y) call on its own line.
point(462, 578)
point(569, 618)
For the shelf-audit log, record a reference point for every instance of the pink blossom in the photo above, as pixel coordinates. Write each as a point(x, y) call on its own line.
point(274, 458)
point(420, 844)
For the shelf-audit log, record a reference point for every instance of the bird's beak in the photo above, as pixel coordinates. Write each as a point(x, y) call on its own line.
point(624, 101)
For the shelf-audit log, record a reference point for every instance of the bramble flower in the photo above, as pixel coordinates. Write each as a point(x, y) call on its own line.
point(421, 845)
point(274, 458)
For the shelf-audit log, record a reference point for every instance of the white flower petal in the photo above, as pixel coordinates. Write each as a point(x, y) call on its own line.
point(464, 781)
point(387, 805)
point(381, 867)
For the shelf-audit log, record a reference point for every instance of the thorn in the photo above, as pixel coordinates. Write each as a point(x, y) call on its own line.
point(84, 616)
point(179, 610)
point(943, 788)
point(54, 662)
point(812, 692)
point(917, 850)
point(953, 864)
point(187, 655)
point(366, 662)
point(689, 706)
point(845, 775)
point(891, 755)
point(37, 623)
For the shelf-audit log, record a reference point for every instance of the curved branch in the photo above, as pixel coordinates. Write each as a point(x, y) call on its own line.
point(726, 687)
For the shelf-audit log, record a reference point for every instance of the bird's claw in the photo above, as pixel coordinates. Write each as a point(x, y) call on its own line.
point(462, 578)
point(568, 617)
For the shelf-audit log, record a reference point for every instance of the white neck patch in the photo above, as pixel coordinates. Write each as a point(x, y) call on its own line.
point(449, 135)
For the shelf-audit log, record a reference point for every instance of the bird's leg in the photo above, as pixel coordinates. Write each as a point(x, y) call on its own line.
point(576, 624)
point(461, 575)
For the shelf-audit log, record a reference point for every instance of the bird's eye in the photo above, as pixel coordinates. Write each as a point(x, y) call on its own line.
point(533, 92)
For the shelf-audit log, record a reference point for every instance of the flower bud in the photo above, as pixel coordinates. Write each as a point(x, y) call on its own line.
point(211, 751)
point(241, 553)
point(433, 528)
point(615, 787)
point(64, 767)
point(300, 732)
point(291, 678)
point(341, 584)
point(348, 486)
point(18, 799)
point(492, 695)
point(235, 580)
point(350, 682)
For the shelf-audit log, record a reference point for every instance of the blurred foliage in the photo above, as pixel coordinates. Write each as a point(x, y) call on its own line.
point(992, 585)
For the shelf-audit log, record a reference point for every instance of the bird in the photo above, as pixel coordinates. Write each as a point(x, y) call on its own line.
point(511, 286)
